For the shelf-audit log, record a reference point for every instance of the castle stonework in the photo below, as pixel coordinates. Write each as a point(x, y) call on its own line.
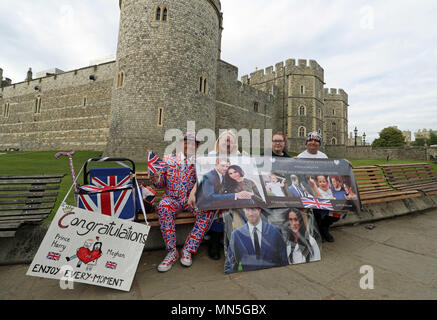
point(167, 71)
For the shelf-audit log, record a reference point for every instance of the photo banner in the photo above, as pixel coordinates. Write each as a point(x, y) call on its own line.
point(244, 181)
point(283, 236)
point(85, 247)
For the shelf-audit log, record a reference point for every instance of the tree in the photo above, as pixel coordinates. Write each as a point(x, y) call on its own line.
point(432, 138)
point(419, 142)
point(389, 137)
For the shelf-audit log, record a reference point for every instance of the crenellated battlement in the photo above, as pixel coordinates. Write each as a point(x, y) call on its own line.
point(335, 94)
point(290, 67)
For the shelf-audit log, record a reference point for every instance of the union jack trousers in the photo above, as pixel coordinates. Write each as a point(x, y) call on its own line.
point(178, 177)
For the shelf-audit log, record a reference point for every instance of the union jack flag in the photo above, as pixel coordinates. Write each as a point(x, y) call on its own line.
point(110, 195)
point(338, 215)
point(317, 204)
point(154, 163)
point(118, 204)
point(111, 265)
point(53, 256)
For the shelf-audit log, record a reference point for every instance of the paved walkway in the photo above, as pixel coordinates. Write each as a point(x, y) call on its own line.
point(402, 252)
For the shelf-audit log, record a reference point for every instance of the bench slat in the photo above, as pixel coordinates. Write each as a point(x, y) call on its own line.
point(41, 187)
point(31, 181)
point(28, 207)
point(28, 194)
point(27, 200)
point(31, 176)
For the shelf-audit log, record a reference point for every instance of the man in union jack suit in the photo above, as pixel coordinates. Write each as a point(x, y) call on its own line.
point(178, 177)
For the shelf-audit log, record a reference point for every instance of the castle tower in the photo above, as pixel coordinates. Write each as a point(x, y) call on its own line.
point(299, 106)
point(336, 116)
point(166, 72)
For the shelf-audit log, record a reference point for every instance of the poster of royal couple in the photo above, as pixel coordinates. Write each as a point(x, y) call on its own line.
point(265, 205)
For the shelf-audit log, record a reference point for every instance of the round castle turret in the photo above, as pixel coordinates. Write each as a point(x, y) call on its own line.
point(166, 72)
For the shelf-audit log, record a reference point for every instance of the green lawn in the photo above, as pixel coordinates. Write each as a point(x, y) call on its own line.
point(44, 162)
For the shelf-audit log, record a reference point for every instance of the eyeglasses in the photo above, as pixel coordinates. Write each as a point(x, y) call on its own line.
point(278, 141)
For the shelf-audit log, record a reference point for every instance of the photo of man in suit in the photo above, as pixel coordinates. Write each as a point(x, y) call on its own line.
point(256, 245)
point(210, 191)
point(295, 189)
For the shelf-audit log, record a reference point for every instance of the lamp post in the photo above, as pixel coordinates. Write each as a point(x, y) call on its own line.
point(364, 139)
point(355, 131)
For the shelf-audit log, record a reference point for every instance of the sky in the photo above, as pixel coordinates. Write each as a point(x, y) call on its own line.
point(382, 53)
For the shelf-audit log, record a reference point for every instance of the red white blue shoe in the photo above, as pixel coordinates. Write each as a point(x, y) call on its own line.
point(166, 264)
point(186, 259)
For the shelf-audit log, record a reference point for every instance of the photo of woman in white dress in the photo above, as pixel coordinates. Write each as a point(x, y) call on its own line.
point(301, 245)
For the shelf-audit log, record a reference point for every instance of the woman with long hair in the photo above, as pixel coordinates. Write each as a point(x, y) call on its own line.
point(301, 246)
point(234, 182)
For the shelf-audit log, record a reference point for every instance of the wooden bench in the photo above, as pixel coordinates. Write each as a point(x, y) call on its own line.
point(151, 210)
point(411, 176)
point(26, 199)
point(373, 187)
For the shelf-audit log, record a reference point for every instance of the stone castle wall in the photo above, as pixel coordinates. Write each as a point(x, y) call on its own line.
point(163, 62)
point(236, 103)
point(64, 120)
point(368, 152)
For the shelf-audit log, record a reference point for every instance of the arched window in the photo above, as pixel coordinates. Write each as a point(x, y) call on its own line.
point(334, 126)
point(37, 107)
point(302, 110)
point(320, 113)
point(334, 141)
point(255, 106)
point(164, 14)
point(158, 14)
point(302, 131)
point(302, 90)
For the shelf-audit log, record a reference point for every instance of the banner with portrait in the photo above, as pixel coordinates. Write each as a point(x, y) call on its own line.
point(260, 238)
point(269, 182)
point(96, 249)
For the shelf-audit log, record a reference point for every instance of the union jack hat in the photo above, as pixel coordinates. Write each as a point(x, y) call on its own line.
point(314, 135)
point(191, 136)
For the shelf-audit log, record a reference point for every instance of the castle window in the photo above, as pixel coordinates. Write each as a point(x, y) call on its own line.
point(37, 107)
point(84, 101)
point(302, 90)
point(205, 86)
point(164, 14)
point(333, 112)
point(120, 79)
point(320, 113)
point(160, 116)
point(158, 14)
point(302, 131)
point(333, 141)
point(302, 110)
point(334, 126)
point(255, 106)
point(6, 110)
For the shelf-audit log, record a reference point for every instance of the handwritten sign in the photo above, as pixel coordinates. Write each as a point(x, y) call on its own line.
point(90, 248)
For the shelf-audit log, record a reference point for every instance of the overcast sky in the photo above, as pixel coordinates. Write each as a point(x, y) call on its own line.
point(382, 53)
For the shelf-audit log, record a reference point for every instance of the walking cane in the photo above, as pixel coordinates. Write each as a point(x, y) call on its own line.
point(70, 158)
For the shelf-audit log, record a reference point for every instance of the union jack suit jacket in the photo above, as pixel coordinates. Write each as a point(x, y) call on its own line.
point(178, 177)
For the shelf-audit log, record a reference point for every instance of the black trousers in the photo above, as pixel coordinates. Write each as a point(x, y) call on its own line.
point(323, 219)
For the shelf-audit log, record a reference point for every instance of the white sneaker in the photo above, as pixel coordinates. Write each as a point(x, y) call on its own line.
point(168, 261)
point(186, 259)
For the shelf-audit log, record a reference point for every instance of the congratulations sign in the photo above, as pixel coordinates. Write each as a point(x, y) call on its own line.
point(90, 248)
